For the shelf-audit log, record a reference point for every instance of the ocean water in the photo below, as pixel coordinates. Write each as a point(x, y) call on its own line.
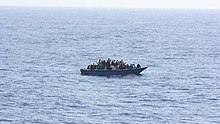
point(43, 49)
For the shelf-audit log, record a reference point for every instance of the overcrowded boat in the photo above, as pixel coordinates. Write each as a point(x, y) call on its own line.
point(112, 67)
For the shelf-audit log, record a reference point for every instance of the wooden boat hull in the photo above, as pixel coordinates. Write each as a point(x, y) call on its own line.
point(135, 71)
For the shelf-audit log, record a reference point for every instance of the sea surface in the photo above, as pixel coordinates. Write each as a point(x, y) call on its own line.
point(42, 50)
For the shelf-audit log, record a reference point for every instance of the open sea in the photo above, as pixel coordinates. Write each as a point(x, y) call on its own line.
point(42, 50)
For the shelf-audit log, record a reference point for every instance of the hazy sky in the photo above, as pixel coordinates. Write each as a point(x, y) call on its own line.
point(214, 4)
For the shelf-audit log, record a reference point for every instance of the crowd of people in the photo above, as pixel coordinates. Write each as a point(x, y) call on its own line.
point(112, 64)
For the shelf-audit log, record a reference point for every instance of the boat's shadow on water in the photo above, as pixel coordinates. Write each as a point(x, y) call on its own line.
point(115, 76)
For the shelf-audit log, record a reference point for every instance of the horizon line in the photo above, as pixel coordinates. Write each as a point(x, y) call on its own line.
point(108, 7)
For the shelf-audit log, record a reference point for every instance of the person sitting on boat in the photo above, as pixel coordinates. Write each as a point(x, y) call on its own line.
point(120, 66)
point(138, 65)
point(88, 67)
point(100, 61)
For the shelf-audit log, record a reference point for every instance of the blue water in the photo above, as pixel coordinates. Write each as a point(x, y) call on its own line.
point(42, 50)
